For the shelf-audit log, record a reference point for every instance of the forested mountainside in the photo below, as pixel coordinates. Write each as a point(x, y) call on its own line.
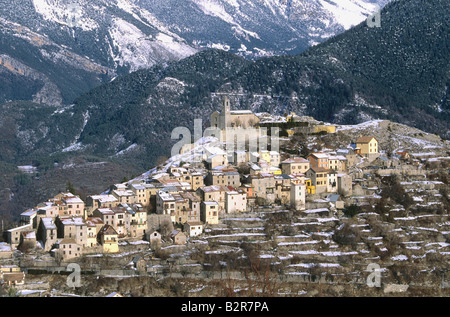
point(57, 50)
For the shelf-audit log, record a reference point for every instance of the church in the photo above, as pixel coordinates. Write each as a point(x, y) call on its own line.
point(239, 129)
point(228, 118)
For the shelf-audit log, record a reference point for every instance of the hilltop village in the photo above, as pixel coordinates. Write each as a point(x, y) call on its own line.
point(185, 199)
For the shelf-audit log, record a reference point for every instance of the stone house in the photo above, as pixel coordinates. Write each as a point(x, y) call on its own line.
point(336, 201)
point(337, 163)
point(235, 201)
point(366, 145)
point(350, 155)
point(319, 178)
point(382, 161)
point(119, 220)
point(214, 193)
point(72, 228)
point(332, 186)
point(135, 220)
point(46, 210)
point(13, 235)
point(210, 212)
point(182, 208)
point(165, 204)
point(318, 160)
point(193, 229)
point(107, 215)
point(239, 157)
point(194, 206)
point(140, 264)
point(298, 196)
point(197, 181)
point(345, 185)
point(283, 187)
point(94, 225)
point(109, 239)
point(125, 196)
point(154, 238)
point(69, 249)
point(215, 160)
point(295, 166)
point(47, 233)
point(141, 193)
point(270, 157)
point(264, 186)
point(224, 177)
point(178, 237)
point(100, 201)
point(68, 205)
point(29, 218)
point(75, 206)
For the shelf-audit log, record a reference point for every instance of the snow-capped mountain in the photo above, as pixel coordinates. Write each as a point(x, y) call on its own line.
point(260, 27)
point(55, 50)
point(74, 46)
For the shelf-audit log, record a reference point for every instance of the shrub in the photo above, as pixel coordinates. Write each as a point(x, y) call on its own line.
point(347, 235)
point(351, 211)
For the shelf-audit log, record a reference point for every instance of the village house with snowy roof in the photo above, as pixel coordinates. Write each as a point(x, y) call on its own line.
point(295, 165)
point(72, 228)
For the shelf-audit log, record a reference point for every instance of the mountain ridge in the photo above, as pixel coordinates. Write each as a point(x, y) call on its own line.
point(79, 45)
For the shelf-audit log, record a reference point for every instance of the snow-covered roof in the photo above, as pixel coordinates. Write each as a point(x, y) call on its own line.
point(104, 198)
point(4, 247)
point(165, 196)
point(105, 211)
point(93, 221)
point(210, 203)
point(123, 193)
point(29, 234)
point(214, 188)
point(320, 155)
point(48, 223)
point(295, 160)
point(240, 112)
point(73, 200)
point(20, 228)
point(73, 221)
point(29, 213)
